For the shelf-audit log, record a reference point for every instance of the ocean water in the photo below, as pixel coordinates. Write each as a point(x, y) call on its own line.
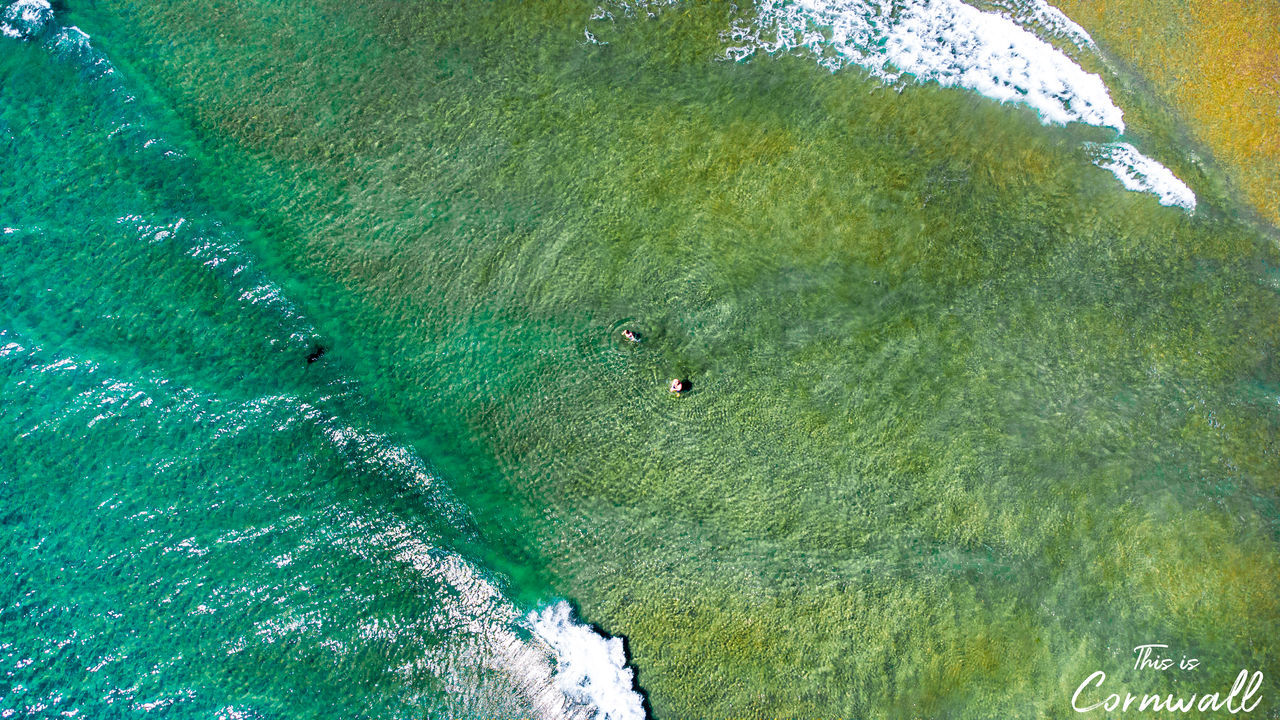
point(315, 403)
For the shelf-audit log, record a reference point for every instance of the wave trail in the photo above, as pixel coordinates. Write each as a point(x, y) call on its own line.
point(553, 666)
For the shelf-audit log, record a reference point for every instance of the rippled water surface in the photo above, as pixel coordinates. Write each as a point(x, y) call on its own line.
point(314, 388)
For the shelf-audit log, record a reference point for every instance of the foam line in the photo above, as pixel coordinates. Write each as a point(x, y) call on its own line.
point(1142, 174)
point(942, 41)
point(591, 668)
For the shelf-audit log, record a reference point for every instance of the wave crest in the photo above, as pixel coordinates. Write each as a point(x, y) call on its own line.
point(590, 668)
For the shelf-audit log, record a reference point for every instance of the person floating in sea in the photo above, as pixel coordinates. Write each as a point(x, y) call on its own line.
point(678, 386)
point(630, 335)
point(317, 352)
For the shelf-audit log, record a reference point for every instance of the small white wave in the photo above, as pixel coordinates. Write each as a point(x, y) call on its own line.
point(1047, 20)
point(590, 668)
point(1142, 174)
point(25, 19)
point(631, 8)
point(224, 255)
point(35, 20)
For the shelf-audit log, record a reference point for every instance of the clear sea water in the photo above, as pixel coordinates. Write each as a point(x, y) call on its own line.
point(312, 385)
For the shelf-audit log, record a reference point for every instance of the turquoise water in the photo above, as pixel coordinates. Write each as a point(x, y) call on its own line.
point(313, 384)
point(200, 516)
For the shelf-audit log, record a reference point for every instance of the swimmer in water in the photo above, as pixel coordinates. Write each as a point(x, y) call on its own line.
point(677, 385)
point(630, 335)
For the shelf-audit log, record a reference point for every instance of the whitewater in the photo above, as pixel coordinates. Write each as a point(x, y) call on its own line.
point(1006, 55)
point(558, 666)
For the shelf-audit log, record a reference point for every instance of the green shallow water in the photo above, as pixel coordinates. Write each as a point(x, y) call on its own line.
point(968, 421)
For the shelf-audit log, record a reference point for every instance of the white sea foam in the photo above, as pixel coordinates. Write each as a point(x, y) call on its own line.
point(571, 672)
point(1143, 174)
point(25, 19)
point(590, 667)
point(631, 8)
point(942, 41)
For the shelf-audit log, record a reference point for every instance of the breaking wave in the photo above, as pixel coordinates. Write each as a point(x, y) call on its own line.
point(556, 666)
point(942, 41)
point(591, 668)
point(1004, 54)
